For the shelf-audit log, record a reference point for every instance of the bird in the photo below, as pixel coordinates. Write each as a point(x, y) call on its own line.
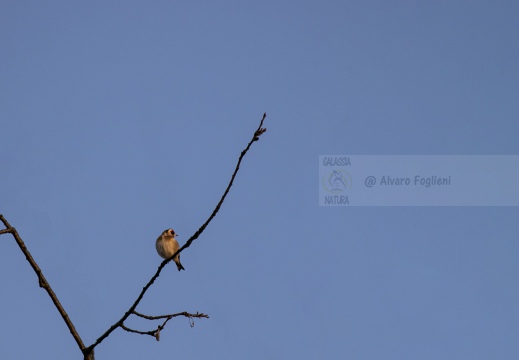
point(167, 245)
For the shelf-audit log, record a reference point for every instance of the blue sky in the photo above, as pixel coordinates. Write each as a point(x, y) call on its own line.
point(120, 120)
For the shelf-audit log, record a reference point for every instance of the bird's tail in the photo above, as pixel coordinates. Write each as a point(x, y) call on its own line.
point(179, 266)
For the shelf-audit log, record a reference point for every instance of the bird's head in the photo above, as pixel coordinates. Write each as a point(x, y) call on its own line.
point(169, 232)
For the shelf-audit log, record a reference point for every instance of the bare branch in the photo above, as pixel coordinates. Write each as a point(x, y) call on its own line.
point(156, 333)
point(183, 313)
point(151, 332)
point(259, 131)
point(42, 281)
point(88, 352)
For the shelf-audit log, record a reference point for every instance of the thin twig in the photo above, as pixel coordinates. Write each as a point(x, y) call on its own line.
point(183, 313)
point(156, 333)
point(151, 332)
point(259, 131)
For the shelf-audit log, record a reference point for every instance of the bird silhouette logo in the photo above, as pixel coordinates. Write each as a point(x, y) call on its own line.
point(337, 181)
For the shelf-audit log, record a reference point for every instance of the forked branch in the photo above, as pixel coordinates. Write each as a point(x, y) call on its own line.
point(88, 352)
point(156, 333)
point(260, 130)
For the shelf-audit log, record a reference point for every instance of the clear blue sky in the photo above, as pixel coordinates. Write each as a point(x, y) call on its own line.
point(121, 119)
